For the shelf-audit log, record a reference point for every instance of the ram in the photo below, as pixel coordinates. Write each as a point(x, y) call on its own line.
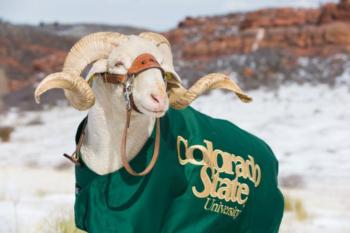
point(144, 167)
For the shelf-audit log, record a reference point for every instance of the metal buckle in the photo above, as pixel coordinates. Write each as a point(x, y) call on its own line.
point(128, 91)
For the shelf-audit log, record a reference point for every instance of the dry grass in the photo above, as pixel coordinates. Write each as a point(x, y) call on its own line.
point(295, 205)
point(41, 193)
point(59, 225)
point(2, 196)
point(67, 226)
point(300, 211)
point(288, 203)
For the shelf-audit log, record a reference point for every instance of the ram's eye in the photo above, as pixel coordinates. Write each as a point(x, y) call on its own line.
point(118, 64)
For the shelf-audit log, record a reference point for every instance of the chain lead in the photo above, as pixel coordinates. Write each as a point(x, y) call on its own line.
point(128, 91)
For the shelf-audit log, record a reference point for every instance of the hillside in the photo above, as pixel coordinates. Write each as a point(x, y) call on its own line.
point(268, 46)
point(261, 48)
point(28, 53)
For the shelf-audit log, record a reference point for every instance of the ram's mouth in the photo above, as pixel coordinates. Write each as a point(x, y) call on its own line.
point(152, 112)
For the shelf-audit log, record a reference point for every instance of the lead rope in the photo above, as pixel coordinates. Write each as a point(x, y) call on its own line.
point(125, 162)
point(75, 156)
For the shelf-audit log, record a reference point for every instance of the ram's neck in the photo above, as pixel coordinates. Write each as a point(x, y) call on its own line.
point(106, 121)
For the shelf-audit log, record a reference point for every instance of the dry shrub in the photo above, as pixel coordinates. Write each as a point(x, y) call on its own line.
point(5, 133)
point(35, 121)
point(292, 181)
point(64, 165)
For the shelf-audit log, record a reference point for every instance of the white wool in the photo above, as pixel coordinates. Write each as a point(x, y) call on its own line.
point(128, 50)
point(101, 149)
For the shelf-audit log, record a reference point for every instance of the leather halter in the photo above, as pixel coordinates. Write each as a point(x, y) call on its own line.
point(141, 63)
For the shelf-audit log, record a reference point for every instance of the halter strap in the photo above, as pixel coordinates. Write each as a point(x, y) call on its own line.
point(141, 63)
point(75, 157)
point(125, 162)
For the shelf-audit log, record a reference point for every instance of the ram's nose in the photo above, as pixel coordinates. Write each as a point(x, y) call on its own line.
point(158, 102)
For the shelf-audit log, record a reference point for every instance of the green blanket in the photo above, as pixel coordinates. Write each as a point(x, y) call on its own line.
point(210, 177)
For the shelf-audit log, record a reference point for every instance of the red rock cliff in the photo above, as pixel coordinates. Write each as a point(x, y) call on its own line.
point(307, 32)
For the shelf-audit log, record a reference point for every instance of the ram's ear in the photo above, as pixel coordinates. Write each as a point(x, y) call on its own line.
point(174, 88)
point(171, 75)
point(100, 66)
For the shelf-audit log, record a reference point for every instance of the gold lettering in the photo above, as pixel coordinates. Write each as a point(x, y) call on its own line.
point(258, 175)
point(220, 208)
point(206, 183)
point(180, 140)
point(214, 184)
point(226, 161)
point(240, 167)
point(215, 180)
point(234, 186)
point(208, 157)
point(190, 157)
point(253, 170)
point(243, 189)
point(224, 189)
point(206, 203)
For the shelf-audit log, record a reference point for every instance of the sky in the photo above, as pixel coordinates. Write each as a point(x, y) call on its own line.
point(152, 14)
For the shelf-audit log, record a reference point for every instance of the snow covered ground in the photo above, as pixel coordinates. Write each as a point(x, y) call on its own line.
point(308, 127)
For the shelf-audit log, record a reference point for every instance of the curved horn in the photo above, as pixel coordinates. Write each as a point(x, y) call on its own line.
point(162, 43)
point(77, 92)
point(180, 97)
point(164, 46)
point(155, 37)
point(86, 50)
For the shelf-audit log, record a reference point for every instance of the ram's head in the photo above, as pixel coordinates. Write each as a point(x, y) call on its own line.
point(114, 53)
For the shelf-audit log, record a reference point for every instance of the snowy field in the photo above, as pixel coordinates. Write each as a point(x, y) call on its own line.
point(308, 127)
